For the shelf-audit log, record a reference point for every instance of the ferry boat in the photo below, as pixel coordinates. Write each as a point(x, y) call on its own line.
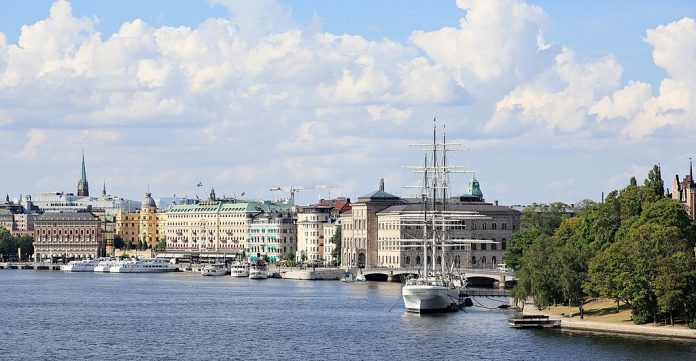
point(239, 269)
point(258, 270)
point(83, 265)
point(104, 264)
point(151, 265)
point(215, 269)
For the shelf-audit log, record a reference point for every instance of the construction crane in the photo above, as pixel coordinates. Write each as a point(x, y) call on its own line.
point(295, 189)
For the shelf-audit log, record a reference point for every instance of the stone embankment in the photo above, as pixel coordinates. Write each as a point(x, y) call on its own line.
point(575, 323)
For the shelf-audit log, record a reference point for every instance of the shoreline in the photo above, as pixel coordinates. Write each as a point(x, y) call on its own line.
point(615, 328)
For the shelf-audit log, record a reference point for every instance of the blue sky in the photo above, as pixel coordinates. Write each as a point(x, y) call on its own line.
point(558, 100)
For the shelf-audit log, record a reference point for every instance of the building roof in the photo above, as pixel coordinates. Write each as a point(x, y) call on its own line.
point(66, 216)
point(226, 206)
point(148, 201)
point(485, 208)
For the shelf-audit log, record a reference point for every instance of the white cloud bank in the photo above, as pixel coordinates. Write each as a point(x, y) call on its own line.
point(257, 90)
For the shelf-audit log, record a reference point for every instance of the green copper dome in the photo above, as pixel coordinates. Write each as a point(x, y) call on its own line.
point(474, 188)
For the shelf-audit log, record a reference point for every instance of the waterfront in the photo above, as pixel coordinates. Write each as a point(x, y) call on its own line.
point(56, 315)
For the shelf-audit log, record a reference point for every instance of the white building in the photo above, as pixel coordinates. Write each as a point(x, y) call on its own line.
point(310, 231)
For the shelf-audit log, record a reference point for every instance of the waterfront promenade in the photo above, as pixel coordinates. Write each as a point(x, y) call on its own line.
point(575, 323)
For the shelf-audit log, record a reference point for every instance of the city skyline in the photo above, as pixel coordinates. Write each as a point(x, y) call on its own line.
point(555, 103)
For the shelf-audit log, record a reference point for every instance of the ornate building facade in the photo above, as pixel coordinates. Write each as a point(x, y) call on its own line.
point(68, 235)
point(684, 191)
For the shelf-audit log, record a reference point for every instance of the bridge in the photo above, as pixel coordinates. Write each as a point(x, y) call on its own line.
point(486, 278)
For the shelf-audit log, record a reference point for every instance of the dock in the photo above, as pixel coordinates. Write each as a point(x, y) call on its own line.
point(533, 321)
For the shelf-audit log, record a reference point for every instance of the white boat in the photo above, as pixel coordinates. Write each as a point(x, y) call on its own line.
point(150, 265)
point(436, 289)
point(348, 277)
point(360, 278)
point(104, 264)
point(239, 269)
point(215, 269)
point(258, 270)
point(83, 265)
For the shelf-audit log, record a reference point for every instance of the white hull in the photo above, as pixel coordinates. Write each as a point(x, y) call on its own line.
point(427, 298)
point(101, 269)
point(258, 275)
point(143, 266)
point(214, 271)
point(79, 266)
point(239, 273)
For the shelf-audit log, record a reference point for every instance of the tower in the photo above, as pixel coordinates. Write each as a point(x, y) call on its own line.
point(82, 185)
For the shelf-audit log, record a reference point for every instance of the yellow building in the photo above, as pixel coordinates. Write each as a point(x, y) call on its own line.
point(128, 226)
point(149, 222)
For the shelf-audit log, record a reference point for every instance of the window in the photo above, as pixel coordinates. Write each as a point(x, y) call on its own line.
point(473, 246)
point(473, 259)
point(503, 244)
point(483, 246)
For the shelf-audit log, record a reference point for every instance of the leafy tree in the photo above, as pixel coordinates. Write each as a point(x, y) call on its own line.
point(162, 244)
point(633, 182)
point(26, 244)
point(336, 240)
point(654, 182)
point(519, 242)
point(546, 218)
point(674, 283)
point(118, 242)
point(129, 245)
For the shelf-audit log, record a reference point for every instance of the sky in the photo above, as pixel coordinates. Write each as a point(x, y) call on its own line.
point(552, 100)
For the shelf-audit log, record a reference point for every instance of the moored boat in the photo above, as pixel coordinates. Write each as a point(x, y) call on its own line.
point(150, 265)
point(83, 265)
point(215, 269)
point(258, 270)
point(239, 269)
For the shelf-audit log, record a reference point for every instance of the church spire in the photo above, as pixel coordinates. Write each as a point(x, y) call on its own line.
point(82, 185)
point(104, 188)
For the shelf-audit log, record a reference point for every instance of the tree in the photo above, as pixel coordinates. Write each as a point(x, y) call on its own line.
point(129, 245)
point(519, 242)
point(674, 284)
point(162, 244)
point(546, 218)
point(336, 240)
point(654, 182)
point(118, 242)
point(26, 244)
point(633, 182)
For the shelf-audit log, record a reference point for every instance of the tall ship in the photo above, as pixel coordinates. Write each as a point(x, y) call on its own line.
point(438, 287)
point(150, 265)
point(83, 265)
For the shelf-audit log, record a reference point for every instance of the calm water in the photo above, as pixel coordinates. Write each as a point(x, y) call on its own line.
point(55, 315)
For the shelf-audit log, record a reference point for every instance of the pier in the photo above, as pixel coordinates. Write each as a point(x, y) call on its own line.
point(44, 266)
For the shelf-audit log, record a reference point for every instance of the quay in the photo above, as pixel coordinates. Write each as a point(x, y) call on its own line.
point(43, 266)
point(533, 321)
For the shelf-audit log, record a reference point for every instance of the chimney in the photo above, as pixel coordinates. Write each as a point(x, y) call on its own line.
point(496, 202)
point(381, 184)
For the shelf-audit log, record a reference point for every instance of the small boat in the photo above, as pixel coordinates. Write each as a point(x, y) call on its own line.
point(83, 265)
point(360, 278)
point(258, 270)
point(347, 277)
point(239, 269)
point(215, 269)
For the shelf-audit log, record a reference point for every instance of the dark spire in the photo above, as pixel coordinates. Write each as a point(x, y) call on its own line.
point(82, 185)
point(7, 198)
point(104, 188)
point(691, 172)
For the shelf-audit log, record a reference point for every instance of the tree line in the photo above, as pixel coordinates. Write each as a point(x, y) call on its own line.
point(9, 246)
point(637, 247)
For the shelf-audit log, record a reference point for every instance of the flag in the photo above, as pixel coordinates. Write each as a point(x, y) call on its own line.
point(200, 184)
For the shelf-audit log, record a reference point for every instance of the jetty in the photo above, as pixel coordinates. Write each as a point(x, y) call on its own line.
point(533, 321)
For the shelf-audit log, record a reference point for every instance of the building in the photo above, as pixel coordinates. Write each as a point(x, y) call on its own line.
point(272, 234)
point(330, 229)
point(310, 231)
point(82, 184)
point(127, 226)
point(6, 219)
point(374, 230)
point(684, 191)
point(489, 224)
point(68, 235)
point(214, 227)
point(359, 228)
point(149, 230)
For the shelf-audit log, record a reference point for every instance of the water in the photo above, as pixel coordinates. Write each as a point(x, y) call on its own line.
point(55, 315)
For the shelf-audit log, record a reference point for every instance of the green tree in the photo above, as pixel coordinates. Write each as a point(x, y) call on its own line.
point(519, 242)
point(654, 182)
point(129, 245)
point(162, 244)
point(336, 240)
point(633, 182)
point(26, 244)
point(545, 218)
point(674, 284)
point(118, 242)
